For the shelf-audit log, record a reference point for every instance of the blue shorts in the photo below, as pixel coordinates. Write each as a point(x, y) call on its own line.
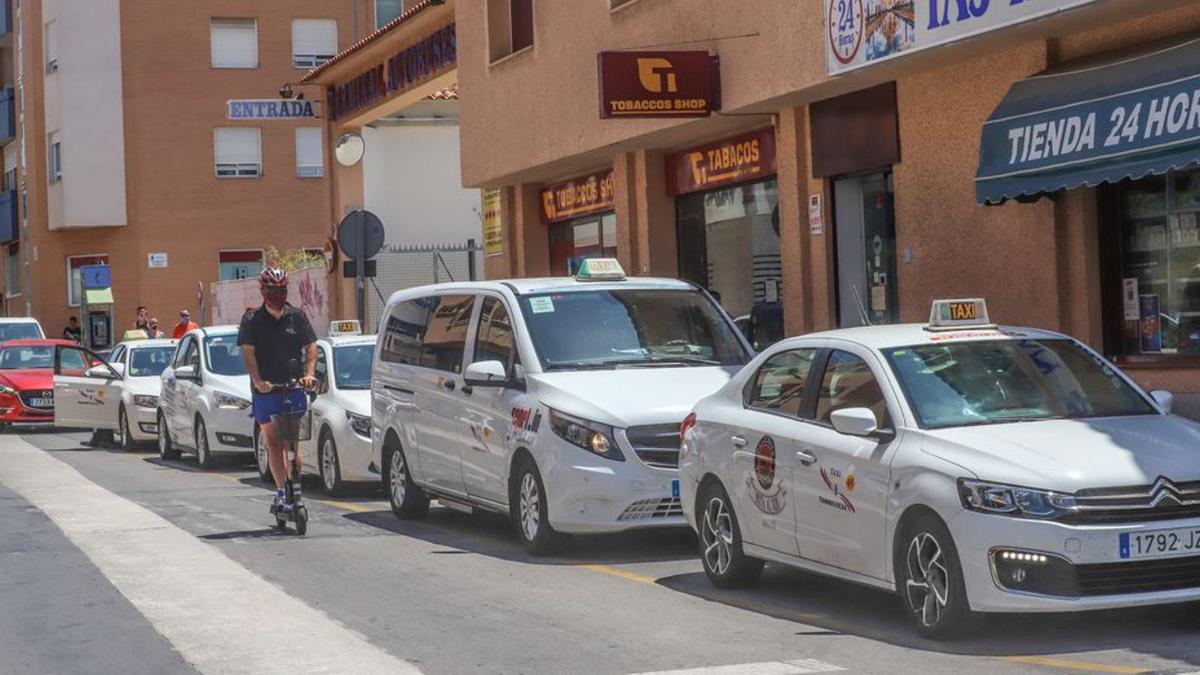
point(265, 405)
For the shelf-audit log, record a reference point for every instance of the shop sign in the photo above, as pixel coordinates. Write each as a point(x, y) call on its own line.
point(816, 223)
point(578, 197)
point(493, 224)
point(270, 109)
point(659, 84)
point(735, 160)
point(401, 72)
point(156, 260)
point(865, 32)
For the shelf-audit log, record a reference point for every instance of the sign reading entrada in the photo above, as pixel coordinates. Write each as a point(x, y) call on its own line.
point(270, 109)
point(659, 84)
point(865, 32)
point(405, 70)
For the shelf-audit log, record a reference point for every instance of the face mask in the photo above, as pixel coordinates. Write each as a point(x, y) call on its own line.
point(274, 297)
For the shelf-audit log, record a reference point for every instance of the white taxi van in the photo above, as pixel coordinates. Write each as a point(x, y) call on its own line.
point(339, 448)
point(205, 402)
point(968, 467)
point(557, 401)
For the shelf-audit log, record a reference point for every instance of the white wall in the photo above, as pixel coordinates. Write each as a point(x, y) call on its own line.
point(84, 103)
point(412, 181)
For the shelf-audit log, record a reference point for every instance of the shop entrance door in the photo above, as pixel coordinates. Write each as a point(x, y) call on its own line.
point(865, 222)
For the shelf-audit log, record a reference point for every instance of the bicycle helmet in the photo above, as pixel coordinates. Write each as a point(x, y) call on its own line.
point(273, 276)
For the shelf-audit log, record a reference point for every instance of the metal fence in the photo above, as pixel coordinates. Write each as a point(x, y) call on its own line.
point(400, 267)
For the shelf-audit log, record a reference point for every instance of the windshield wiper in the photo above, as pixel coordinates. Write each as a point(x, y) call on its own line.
point(685, 360)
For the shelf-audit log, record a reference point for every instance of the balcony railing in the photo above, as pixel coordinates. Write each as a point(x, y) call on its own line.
point(9, 218)
point(8, 114)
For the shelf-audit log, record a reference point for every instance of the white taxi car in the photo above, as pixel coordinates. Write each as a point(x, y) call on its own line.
point(968, 467)
point(557, 401)
point(130, 414)
point(205, 403)
point(339, 450)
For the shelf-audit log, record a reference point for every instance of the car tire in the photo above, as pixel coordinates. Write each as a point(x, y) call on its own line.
point(530, 509)
point(166, 449)
point(204, 454)
point(409, 501)
point(930, 580)
point(261, 459)
point(124, 439)
point(330, 468)
point(720, 538)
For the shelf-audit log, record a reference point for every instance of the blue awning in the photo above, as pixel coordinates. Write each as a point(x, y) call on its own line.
point(1093, 124)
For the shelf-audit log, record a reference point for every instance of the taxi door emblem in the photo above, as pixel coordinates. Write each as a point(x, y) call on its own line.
point(764, 462)
point(767, 494)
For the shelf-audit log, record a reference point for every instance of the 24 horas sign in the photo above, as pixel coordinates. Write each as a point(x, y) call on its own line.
point(659, 84)
point(864, 32)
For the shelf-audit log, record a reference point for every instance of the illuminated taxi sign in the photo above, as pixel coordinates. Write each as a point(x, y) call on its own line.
point(947, 314)
point(600, 269)
point(347, 327)
point(135, 334)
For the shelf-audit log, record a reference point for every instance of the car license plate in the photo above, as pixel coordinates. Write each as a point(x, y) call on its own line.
point(41, 402)
point(675, 487)
point(1173, 543)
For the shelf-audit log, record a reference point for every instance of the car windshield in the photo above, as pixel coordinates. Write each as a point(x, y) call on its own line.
point(224, 355)
point(17, 358)
point(352, 366)
point(992, 382)
point(19, 331)
point(149, 361)
point(636, 327)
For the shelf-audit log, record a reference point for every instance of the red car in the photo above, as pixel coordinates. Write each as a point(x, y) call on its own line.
point(27, 379)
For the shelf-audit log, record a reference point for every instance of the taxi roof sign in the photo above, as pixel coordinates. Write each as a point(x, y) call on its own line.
point(346, 327)
point(600, 269)
point(951, 314)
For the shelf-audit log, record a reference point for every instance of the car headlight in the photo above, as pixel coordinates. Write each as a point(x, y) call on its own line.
point(591, 436)
point(359, 424)
point(7, 390)
point(230, 402)
point(1014, 501)
point(145, 401)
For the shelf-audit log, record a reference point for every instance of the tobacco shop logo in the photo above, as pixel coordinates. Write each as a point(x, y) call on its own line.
point(846, 26)
point(657, 75)
point(767, 493)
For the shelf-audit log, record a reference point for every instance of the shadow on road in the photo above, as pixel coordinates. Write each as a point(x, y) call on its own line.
point(264, 533)
point(835, 607)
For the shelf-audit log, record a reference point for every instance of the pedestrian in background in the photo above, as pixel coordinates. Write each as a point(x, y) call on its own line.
point(185, 324)
point(142, 322)
point(153, 331)
point(73, 332)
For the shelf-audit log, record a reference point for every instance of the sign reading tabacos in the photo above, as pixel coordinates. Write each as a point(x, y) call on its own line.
point(659, 84)
point(733, 160)
point(578, 197)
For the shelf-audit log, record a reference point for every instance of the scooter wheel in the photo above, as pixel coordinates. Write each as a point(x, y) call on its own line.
point(301, 516)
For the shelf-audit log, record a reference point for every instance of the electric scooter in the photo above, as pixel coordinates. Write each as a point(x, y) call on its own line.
point(291, 427)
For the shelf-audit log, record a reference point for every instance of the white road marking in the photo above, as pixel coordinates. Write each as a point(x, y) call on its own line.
point(218, 615)
point(794, 667)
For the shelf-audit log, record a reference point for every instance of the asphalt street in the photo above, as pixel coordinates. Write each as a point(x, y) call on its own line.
point(114, 562)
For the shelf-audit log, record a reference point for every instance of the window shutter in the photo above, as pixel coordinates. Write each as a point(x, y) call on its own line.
point(234, 43)
point(238, 151)
point(314, 41)
point(309, 162)
point(51, 47)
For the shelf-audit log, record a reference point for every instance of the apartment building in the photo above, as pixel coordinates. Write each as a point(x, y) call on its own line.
point(153, 136)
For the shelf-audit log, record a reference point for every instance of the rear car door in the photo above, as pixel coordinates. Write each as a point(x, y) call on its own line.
point(87, 392)
point(487, 411)
point(393, 399)
point(322, 407)
point(438, 386)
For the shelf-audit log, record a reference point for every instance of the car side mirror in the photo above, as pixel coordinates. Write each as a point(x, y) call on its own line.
point(486, 374)
point(854, 421)
point(118, 368)
point(102, 372)
point(186, 373)
point(1164, 399)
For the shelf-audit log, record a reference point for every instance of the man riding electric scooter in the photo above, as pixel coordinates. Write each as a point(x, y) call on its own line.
point(274, 338)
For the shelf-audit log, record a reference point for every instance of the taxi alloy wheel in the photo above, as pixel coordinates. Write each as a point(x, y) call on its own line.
point(721, 541)
point(261, 459)
point(530, 515)
point(331, 476)
point(408, 500)
point(932, 582)
point(204, 454)
point(166, 449)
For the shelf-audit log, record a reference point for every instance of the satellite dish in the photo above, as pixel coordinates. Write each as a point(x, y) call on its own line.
point(350, 149)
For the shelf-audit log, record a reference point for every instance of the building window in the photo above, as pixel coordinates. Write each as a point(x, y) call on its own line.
point(510, 27)
point(1159, 251)
point(12, 270)
point(54, 160)
point(234, 43)
point(51, 47)
point(386, 10)
point(574, 241)
point(314, 41)
point(308, 152)
point(239, 264)
point(238, 152)
point(75, 265)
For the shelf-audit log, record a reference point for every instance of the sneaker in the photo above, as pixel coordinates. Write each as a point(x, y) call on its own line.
point(281, 505)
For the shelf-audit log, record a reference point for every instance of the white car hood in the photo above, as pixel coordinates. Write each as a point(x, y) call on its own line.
point(630, 396)
point(144, 386)
point(357, 401)
point(1070, 455)
point(236, 385)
